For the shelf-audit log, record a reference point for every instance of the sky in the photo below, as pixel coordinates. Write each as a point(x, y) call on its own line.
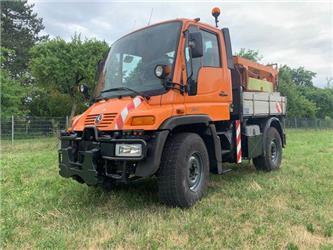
point(296, 33)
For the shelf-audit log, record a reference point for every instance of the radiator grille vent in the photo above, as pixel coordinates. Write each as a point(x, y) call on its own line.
point(104, 123)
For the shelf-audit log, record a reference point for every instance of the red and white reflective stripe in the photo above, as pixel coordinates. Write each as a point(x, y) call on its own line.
point(238, 141)
point(278, 107)
point(121, 118)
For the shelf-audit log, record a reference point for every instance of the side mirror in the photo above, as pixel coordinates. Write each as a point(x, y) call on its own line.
point(162, 71)
point(195, 43)
point(84, 89)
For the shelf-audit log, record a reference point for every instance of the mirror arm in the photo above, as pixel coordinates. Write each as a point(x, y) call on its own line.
point(190, 54)
point(191, 67)
point(189, 80)
point(172, 85)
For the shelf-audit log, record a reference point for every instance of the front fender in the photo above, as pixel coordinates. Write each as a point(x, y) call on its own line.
point(175, 121)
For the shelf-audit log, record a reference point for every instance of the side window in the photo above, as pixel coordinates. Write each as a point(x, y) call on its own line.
point(211, 53)
point(211, 57)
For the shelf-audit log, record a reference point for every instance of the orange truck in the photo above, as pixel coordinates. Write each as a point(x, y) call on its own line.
point(173, 102)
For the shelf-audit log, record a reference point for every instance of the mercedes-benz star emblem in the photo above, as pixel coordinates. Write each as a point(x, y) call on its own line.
point(99, 118)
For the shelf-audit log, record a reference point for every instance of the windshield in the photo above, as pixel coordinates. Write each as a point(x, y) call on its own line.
point(132, 59)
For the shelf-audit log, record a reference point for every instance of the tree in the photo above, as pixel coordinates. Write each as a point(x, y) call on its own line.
point(303, 77)
point(329, 82)
point(250, 54)
point(304, 99)
point(12, 96)
point(12, 92)
point(20, 29)
point(49, 103)
point(323, 98)
point(59, 67)
point(297, 104)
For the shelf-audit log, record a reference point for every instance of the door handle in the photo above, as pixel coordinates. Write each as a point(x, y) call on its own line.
point(222, 93)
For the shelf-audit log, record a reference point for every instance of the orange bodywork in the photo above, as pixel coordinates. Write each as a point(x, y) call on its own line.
point(214, 95)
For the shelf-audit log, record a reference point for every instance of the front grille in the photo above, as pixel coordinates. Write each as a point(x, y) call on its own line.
point(104, 123)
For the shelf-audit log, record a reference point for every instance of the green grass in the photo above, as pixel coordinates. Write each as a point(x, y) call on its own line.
point(287, 209)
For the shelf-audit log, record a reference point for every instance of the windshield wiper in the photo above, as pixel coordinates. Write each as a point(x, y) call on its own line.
point(129, 89)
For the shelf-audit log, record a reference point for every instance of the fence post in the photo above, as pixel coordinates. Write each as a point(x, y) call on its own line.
point(13, 129)
point(295, 122)
point(67, 122)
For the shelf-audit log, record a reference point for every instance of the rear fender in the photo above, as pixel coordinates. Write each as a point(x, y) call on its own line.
point(276, 123)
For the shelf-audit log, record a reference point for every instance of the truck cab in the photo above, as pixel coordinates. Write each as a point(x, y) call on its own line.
point(170, 102)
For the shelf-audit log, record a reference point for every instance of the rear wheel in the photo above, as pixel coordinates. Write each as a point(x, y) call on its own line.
point(184, 170)
point(271, 160)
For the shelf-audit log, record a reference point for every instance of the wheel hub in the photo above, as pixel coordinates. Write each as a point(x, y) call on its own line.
point(194, 171)
point(274, 151)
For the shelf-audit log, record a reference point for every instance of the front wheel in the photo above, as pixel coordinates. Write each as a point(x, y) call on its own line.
point(271, 160)
point(184, 170)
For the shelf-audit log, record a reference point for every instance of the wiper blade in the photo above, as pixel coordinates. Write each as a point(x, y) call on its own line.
point(129, 89)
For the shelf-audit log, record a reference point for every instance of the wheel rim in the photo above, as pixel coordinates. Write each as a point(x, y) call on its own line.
point(195, 170)
point(274, 151)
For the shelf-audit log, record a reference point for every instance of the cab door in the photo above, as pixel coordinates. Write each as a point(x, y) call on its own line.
point(211, 75)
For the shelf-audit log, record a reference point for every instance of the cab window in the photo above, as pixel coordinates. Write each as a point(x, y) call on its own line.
point(211, 53)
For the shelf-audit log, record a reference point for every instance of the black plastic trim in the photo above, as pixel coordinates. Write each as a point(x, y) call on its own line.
point(149, 165)
point(175, 121)
point(228, 48)
point(217, 148)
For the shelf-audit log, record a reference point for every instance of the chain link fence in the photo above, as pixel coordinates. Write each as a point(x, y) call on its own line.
point(15, 128)
point(305, 123)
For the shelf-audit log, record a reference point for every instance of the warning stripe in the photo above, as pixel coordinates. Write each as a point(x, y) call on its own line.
point(238, 141)
point(121, 118)
point(278, 107)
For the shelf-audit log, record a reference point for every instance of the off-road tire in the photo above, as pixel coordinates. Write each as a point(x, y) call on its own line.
point(174, 181)
point(267, 162)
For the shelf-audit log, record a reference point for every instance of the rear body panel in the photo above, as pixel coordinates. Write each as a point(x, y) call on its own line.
point(263, 104)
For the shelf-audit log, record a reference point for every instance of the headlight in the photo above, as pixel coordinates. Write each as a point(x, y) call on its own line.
point(128, 150)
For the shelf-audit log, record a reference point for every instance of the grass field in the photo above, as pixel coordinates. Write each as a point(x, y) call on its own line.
point(288, 209)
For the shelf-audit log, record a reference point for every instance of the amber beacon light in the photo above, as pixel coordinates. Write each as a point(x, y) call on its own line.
point(216, 12)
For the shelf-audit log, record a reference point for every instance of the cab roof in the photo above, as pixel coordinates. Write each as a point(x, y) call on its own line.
point(183, 20)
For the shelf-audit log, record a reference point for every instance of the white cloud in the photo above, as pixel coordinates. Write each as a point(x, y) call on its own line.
point(295, 33)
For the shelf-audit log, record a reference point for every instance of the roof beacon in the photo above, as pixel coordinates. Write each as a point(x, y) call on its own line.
point(216, 12)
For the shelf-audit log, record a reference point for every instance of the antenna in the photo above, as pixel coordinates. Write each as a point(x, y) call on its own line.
point(151, 14)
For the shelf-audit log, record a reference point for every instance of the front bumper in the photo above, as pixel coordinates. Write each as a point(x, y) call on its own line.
point(91, 159)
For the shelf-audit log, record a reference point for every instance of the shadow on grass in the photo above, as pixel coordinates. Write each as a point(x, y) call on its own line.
point(143, 194)
point(238, 171)
point(138, 195)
